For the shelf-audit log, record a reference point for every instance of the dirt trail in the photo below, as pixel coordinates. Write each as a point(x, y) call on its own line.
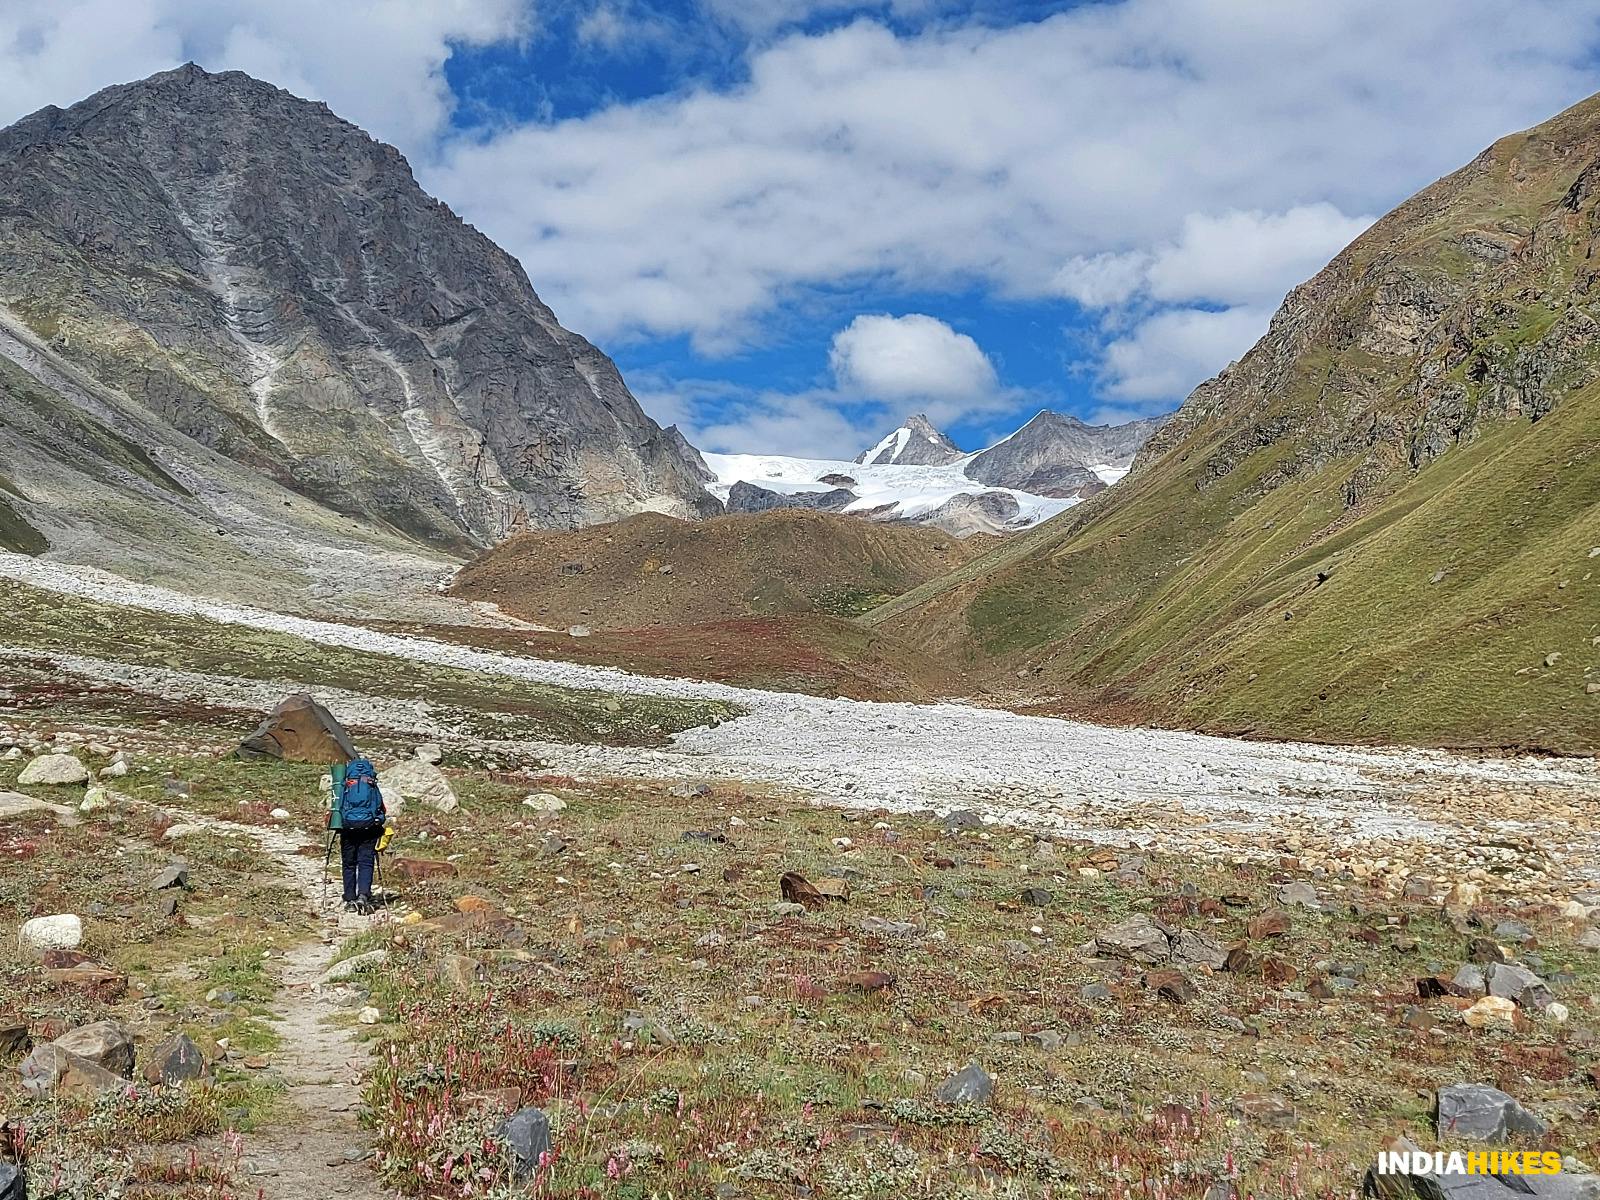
point(318, 1149)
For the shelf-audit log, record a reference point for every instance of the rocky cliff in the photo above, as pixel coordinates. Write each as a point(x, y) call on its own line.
point(917, 443)
point(266, 292)
point(1057, 455)
point(1383, 522)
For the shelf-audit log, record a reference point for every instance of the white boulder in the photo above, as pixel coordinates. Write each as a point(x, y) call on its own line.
point(54, 768)
point(431, 753)
point(61, 932)
point(412, 781)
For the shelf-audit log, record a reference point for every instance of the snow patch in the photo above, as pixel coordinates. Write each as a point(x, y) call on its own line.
point(906, 492)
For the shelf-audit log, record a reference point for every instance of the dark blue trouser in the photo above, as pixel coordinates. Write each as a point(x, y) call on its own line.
point(357, 849)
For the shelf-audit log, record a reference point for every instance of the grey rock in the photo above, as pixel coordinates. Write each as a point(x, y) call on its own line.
point(54, 769)
point(1589, 939)
point(641, 1028)
point(12, 1184)
point(1469, 980)
point(917, 443)
point(1298, 893)
point(962, 818)
point(174, 876)
point(1055, 455)
point(1190, 948)
point(527, 1136)
point(50, 1069)
point(970, 1085)
point(745, 497)
point(1094, 992)
point(887, 928)
point(1514, 932)
point(1037, 896)
point(1045, 1039)
point(1513, 981)
point(785, 908)
point(1479, 1113)
point(1138, 938)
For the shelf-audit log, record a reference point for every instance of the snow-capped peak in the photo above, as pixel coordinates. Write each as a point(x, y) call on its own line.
point(916, 443)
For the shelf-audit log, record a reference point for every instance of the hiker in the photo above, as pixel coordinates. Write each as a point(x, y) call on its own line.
point(358, 816)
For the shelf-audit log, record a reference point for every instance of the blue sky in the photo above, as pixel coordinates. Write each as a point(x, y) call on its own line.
point(794, 222)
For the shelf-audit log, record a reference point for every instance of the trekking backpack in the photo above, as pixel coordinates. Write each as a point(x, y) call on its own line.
point(362, 805)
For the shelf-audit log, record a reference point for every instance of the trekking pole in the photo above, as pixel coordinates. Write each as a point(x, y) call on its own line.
point(327, 863)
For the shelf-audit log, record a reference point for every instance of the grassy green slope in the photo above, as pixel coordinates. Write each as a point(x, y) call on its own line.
point(1378, 526)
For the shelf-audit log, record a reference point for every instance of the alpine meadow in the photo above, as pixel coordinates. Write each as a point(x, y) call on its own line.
point(1054, 651)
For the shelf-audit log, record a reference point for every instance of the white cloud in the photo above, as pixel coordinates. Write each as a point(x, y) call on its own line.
point(378, 63)
point(1167, 354)
point(914, 357)
point(1144, 157)
point(1243, 262)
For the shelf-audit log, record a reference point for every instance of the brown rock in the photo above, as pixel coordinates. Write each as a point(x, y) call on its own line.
point(797, 889)
point(1170, 985)
point(100, 982)
point(174, 1061)
point(459, 971)
point(104, 1043)
point(1277, 973)
point(866, 981)
point(475, 904)
point(1272, 923)
point(834, 888)
point(1266, 1109)
point(15, 1041)
point(1238, 960)
point(60, 960)
point(415, 870)
point(50, 1070)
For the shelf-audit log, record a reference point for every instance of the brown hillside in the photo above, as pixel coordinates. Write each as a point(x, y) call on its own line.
point(655, 570)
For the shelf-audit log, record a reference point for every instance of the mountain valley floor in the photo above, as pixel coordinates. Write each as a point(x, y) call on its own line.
point(1026, 957)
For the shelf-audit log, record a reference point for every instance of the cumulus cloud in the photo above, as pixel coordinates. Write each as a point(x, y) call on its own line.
point(1172, 165)
point(1165, 355)
point(1237, 263)
point(993, 157)
point(914, 357)
point(378, 63)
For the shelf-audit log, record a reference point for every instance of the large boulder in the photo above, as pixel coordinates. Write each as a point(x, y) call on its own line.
point(50, 1070)
point(64, 931)
point(104, 1043)
point(1137, 938)
point(1480, 1113)
point(53, 769)
point(15, 804)
point(176, 1060)
point(412, 781)
point(300, 730)
point(1513, 981)
point(527, 1135)
point(12, 1185)
point(970, 1085)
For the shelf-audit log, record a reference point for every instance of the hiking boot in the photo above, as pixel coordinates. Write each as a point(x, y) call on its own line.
point(364, 906)
point(350, 906)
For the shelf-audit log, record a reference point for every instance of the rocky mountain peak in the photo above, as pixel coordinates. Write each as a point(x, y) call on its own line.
point(269, 281)
point(916, 443)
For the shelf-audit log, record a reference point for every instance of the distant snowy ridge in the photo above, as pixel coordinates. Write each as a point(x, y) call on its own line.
point(916, 473)
point(889, 491)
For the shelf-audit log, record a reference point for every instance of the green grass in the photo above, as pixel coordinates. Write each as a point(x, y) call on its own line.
point(488, 705)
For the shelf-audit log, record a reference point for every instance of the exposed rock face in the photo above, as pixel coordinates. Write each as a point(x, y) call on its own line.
point(749, 498)
point(916, 443)
point(1055, 455)
point(266, 282)
point(975, 512)
point(1406, 456)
